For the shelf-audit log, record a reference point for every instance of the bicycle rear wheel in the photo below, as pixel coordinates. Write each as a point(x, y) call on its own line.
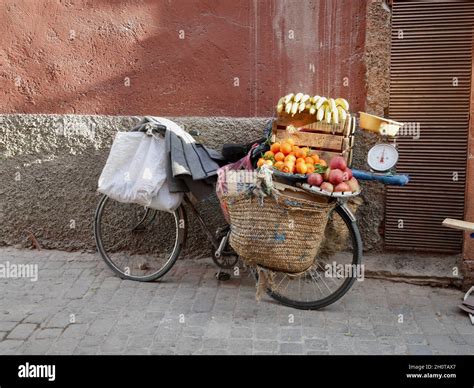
point(136, 242)
point(335, 269)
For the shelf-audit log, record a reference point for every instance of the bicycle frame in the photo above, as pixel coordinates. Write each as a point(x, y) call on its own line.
point(210, 236)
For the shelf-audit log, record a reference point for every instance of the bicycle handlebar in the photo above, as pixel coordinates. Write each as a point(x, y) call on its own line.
point(395, 180)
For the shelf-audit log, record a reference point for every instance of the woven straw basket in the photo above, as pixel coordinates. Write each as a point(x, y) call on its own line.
point(282, 234)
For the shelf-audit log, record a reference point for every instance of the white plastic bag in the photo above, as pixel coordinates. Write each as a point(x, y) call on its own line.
point(165, 200)
point(135, 169)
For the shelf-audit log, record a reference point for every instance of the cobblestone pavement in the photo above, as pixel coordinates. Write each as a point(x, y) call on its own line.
point(78, 306)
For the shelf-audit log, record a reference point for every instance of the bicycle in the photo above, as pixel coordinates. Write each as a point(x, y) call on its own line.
point(121, 228)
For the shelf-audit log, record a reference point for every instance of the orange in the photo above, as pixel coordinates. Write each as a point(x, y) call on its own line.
point(287, 167)
point(279, 156)
point(269, 162)
point(300, 153)
point(278, 165)
point(301, 168)
point(260, 162)
point(300, 160)
point(290, 141)
point(275, 147)
point(310, 168)
point(285, 148)
point(309, 160)
point(268, 155)
point(322, 162)
point(306, 151)
point(295, 149)
point(315, 157)
point(290, 158)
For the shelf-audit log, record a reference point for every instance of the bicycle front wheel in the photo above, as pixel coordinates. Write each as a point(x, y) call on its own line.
point(136, 242)
point(334, 271)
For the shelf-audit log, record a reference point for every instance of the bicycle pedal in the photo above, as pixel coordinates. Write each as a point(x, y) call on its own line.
point(222, 276)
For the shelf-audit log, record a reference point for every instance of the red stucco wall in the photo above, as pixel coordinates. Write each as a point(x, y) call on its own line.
point(72, 56)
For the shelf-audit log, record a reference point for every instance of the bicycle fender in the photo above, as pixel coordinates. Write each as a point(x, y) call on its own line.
point(348, 211)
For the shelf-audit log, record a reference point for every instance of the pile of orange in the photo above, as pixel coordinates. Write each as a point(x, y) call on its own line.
point(287, 157)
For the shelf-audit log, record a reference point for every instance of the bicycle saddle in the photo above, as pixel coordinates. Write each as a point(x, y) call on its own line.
point(233, 151)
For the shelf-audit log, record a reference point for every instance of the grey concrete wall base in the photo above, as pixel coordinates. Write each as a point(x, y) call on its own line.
point(50, 165)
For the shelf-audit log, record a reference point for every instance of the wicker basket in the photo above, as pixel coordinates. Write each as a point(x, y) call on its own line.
point(282, 234)
point(337, 234)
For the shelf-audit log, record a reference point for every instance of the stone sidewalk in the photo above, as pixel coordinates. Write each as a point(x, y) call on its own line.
point(78, 306)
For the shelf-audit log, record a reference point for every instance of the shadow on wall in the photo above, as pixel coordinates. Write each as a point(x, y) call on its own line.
point(49, 173)
point(201, 58)
point(164, 59)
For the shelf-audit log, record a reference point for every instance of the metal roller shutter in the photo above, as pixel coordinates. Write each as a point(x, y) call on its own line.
point(430, 76)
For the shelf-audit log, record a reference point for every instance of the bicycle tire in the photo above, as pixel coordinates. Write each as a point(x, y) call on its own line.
point(347, 284)
point(181, 227)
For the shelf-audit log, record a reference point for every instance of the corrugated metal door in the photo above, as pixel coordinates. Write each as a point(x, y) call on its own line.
point(430, 80)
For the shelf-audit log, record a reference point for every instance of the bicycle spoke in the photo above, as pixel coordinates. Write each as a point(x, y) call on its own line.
point(147, 253)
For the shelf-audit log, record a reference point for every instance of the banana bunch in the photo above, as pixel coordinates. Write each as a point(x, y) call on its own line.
point(328, 110)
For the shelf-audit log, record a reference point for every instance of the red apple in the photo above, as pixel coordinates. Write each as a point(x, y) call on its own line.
point(326, 186)
point(342, 187)
point(315, 179)
point(347, 174)
point(336, 176)
point(338, 162)
point(353, 184)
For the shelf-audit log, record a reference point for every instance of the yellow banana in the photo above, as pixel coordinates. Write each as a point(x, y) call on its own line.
point(342, 113)
point(288, 107)
point(312, 110)
point(305, 98)
point(335, 116)
point(327, 114)
point(320, 102)
point(342, 102)
point(294, 108)
point(301, 107)
point(320, 114)
point(280, 108)
point(332, 105)
point(298, 97)
point(288, 98)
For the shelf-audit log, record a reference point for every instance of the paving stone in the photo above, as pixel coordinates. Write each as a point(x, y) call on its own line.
point(215, 343)
point(316, 344)
point(8, 346)
point(386, 331)
point(266, 332)
point(418, 350)
point(22, 331)
point(37, 347)
point(7, 326)
point(240, 346)
point(241, 332)
point(291, 348)
point(47, 333)
point(291, 334)
point(265, 346)
point(191, 313)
